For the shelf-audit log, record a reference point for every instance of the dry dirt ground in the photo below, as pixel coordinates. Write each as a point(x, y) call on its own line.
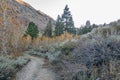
point(34, 70)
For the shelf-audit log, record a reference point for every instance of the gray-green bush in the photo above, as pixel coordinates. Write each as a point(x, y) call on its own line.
point(96, 56)
point(96, 50)
point(8, 66)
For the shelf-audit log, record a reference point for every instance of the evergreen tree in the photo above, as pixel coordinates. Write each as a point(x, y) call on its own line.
point(65, 23)
point(32, 30)
point(88, 24)
point(48, 30)
point(86, 29)
point(59, 27)
point(67, 20)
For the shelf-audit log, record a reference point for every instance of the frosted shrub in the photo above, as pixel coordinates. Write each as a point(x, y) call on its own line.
point(35, 53)
point(19, 62)
point(106, 31)
point(8, 67)
point(97, 53)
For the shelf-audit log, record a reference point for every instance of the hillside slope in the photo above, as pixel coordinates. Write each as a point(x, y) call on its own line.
point(15, 15)
point(18, 13)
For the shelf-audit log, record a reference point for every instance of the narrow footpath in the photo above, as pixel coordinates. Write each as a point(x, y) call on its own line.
point(34, 70)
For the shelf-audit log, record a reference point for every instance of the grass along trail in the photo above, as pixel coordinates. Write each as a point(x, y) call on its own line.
point(34, 70)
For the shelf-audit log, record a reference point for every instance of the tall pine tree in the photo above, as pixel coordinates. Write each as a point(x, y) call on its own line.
point(48, 30)
point(65, 23)
point(59, 27)
point(67, 20)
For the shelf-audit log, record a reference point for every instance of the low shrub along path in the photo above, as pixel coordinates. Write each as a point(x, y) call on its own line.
point(34, 70)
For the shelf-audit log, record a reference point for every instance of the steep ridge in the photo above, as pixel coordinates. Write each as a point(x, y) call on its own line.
point(19, 13)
